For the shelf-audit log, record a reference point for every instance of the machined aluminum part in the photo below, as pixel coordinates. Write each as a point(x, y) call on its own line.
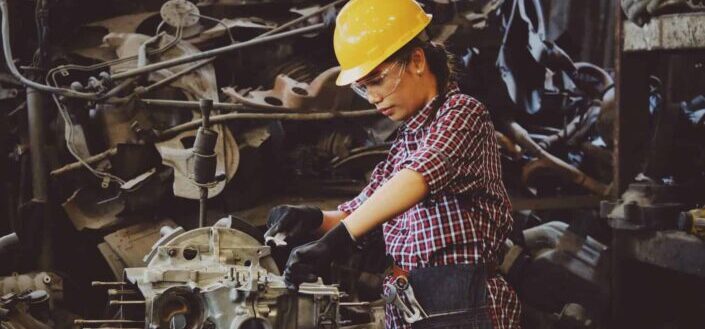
point(50, 282)
point(218, 277)
point(179, 13)
point(199, 84)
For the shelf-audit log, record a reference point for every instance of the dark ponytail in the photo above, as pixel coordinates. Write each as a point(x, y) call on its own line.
point(444, 65)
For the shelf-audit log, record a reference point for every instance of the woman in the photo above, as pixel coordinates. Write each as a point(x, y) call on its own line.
point(439, 194)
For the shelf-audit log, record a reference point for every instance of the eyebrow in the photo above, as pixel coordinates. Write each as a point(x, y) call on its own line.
point(372, 74)
point(377, 71)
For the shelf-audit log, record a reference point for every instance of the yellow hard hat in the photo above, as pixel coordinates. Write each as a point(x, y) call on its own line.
point(367, 32)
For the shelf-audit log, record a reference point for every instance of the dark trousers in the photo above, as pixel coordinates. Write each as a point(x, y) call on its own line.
point(453, 296)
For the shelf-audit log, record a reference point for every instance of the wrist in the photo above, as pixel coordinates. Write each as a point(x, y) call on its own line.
point(316, 217)
point(352, 237)
point(340, 240)
point(331, 218)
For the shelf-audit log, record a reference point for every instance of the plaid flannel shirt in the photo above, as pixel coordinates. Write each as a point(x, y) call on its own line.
point(466, 217)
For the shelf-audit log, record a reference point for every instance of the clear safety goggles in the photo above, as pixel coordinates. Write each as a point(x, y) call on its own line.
point(381, 84)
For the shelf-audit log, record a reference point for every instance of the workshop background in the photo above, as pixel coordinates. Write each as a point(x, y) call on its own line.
point(116, 211)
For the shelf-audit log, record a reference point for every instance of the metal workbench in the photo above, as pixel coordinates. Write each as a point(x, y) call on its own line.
point(668, 252)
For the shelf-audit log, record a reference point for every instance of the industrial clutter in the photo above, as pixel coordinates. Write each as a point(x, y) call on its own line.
point(360, 164)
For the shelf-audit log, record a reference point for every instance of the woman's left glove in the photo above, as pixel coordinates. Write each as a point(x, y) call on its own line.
point(309, 260)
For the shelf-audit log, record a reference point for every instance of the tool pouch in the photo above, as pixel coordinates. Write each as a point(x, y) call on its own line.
point(453, 296)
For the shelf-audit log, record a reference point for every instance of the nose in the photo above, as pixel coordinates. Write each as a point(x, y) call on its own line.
point(373, 98)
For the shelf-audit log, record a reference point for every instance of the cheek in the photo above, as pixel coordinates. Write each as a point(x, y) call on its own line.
point(412, 104)
point(409, 99)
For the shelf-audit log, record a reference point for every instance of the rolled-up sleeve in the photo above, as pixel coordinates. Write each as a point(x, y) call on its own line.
point(451, 146)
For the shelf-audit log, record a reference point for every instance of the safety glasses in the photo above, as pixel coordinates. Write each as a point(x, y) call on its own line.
point(381, 84)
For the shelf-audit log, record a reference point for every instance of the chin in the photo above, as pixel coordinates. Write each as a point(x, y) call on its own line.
point(396, 118)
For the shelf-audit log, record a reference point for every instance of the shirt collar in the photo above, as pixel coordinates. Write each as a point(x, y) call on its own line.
point(422, 117)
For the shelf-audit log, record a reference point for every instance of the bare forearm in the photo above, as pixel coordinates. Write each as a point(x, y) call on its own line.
point(397, 195)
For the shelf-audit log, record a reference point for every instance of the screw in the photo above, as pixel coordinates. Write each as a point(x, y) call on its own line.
point(208, 324)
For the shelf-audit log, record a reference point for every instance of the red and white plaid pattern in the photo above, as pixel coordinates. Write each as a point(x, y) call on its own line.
point(466, 216)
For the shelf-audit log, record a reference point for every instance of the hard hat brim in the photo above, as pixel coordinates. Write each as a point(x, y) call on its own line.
point(353, 74)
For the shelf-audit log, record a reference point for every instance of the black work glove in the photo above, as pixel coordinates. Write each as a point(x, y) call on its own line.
point(295, 222)
point(309, 260)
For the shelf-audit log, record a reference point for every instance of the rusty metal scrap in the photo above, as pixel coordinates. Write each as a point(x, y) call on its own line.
point(273, 116)
point(548, 160)
point(289, 95)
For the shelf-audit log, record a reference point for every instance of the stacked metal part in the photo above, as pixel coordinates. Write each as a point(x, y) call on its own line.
point(218, 277)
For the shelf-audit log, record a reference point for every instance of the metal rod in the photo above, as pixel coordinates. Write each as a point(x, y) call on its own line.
point(210, 60)
point(90, 160)
point(165, 134)
point(7, 51)
point(302, 18)
point(546, 159)
point(354, 304)
point(168, 133)
point(195, 105)
point(202, 207)
point(82, 321)
point(107, 283)
point(121, 292)
point(127, 302)
point(113, 328)
point(206, 106)
point(7, 241)
point(37, 134)
point(215, 52)
point(177, 75)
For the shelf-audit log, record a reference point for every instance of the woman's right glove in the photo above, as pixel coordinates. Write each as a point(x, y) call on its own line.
point(307, 262)
point(294, 223)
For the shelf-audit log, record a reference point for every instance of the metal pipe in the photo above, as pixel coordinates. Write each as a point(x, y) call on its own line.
point(121, 292)
point(127, 302)
point(548, 160)
point(205, 163)
point(354, 304)
point(210, 60)
point(8, 241)
point(120, 87)
point(90, 160)
point(40, 174)
point(114, 328)
point(7, 51)
point(82, 321)
point(230, 107)
point(107, 283)
point(177, 75)
point(168, 133)
point(215, 52)
point(37, 130)
point(202, 207)
point(302, 18)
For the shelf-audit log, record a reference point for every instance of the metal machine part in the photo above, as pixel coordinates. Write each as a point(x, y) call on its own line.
point(640, 11)
point(180, 13)
point(40, 290)
point(556, 267)
point(218, 277)
point(290, 95)
point(199, 84)
point(646, 206)
point(126, 247)
point(26, 310)
point(205, 158)
point(51, 283)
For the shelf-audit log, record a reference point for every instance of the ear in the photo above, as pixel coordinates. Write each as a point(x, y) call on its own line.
point(418, 61)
